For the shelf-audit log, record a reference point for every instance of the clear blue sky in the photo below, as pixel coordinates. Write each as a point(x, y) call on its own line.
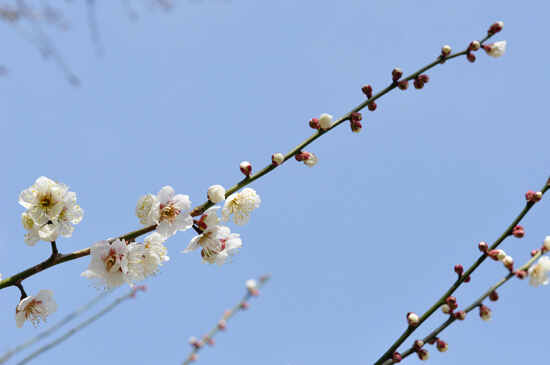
point(353, 244)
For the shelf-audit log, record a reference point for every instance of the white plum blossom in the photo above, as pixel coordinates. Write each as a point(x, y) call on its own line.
point(538, 273)
point(143, 209)
point(216, 193)
point(35, 308)
point(109, 264)
point(310, 159)
point(217, 243)
point(144, 259)
point(165, 210)
point(52, 210)
point(209, 218)
point(44, 200)
point(496, 49)
point(240, 205)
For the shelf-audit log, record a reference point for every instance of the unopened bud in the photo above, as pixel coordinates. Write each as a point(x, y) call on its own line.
point(485, 313)
point(216, 193)
point(417, 345)
point(314, 123)
point(396, 74)
point(531, 196)
point(433, 340)
point(474, 46)
point(355, 126)
point(424, 78)
point(495, 28)
point(493, 297)
point(467, 280)
point(446, 309)
point(277, 159)
point(418, 84)
point(356, 117)
point(518, 232)
point(367, 90)
point(403, 85)
point(325, 121)
point(521, 274)
point(471, 57)
point(396, 357)
point(537, 196)
point(461, 315)
point(194, 342)
point(246, 168)
point(534, 252)
point(412, 319)
point(446, 50)
point(546, 243)
point(483, 247)
point(423, 354)
point(459, 270)
point(451, 302)
point(309, 159)
point(299, 157)
point(508, 262)
point(442, 346)
point(222, 324)
point(372, 106)
point(497, 255)
point(245, 305)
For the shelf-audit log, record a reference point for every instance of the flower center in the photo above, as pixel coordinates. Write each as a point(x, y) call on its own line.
point(169, 213)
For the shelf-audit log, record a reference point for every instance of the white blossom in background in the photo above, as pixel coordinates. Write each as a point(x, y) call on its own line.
point(216, 193)
point(52, 210)
point(217, 243)
point(538, 273)
point(251, 284)
point(109, 264)
point(240, 205)
point(35, 308)
point(144, 259)
point(166, 210)
point(143, 209)
point(496, 49)
point(209, 218)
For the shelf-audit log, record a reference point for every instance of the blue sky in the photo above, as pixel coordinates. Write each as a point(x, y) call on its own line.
point(370, 233)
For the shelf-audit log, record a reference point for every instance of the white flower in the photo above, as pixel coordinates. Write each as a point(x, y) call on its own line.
point(538, 273)
point(28, 223)
point(144, 259)
point(325, 121)
point(49, 232)
point(109, 264)
point(44, 200)
point(35, 308)
point(496, 49)
point(310, 159)
point(217, 243)
point(70, 214)
point(167, 212)
point(240, 205)
point(251, 284)
point(143, 209)
point(209, 218)
point(216, 193)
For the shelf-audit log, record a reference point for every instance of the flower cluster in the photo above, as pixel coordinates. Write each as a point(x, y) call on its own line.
point(52, 211)
point(165, 210)
point(119, 262)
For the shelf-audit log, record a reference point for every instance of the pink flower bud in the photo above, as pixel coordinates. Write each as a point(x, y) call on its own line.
point(309, 159)
point(396, 74)
point(474, 46)
point(534, 252)
point(418, 84)
point(471, 57)
point(459, 270)
point(356, 117)
point(277, 159)
point(396, 357)
point(442, 346)
point(451, 302)
point(424, 78)
point(417, 345)
point(194, 357)
point(403, 85)
point(194, 342)
point(537, 196)
point(497, 255)
point(493, 297)
point(423, 355)
point(246, 168)
point(412, 319)
point(518, 232)
point(446, 50)
point(446, 309)
point(483, 247)
point(299, 157)
point(222, 324)
point(485, 313)
point(461, 315)
point(372, 106)
point(367, 90)
point(495, 28)
point(355, 126)
point(508, 262)
point(467, 280)
point(529, 195)
point(245, 305)
point(314, 123)
point(521, 274)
